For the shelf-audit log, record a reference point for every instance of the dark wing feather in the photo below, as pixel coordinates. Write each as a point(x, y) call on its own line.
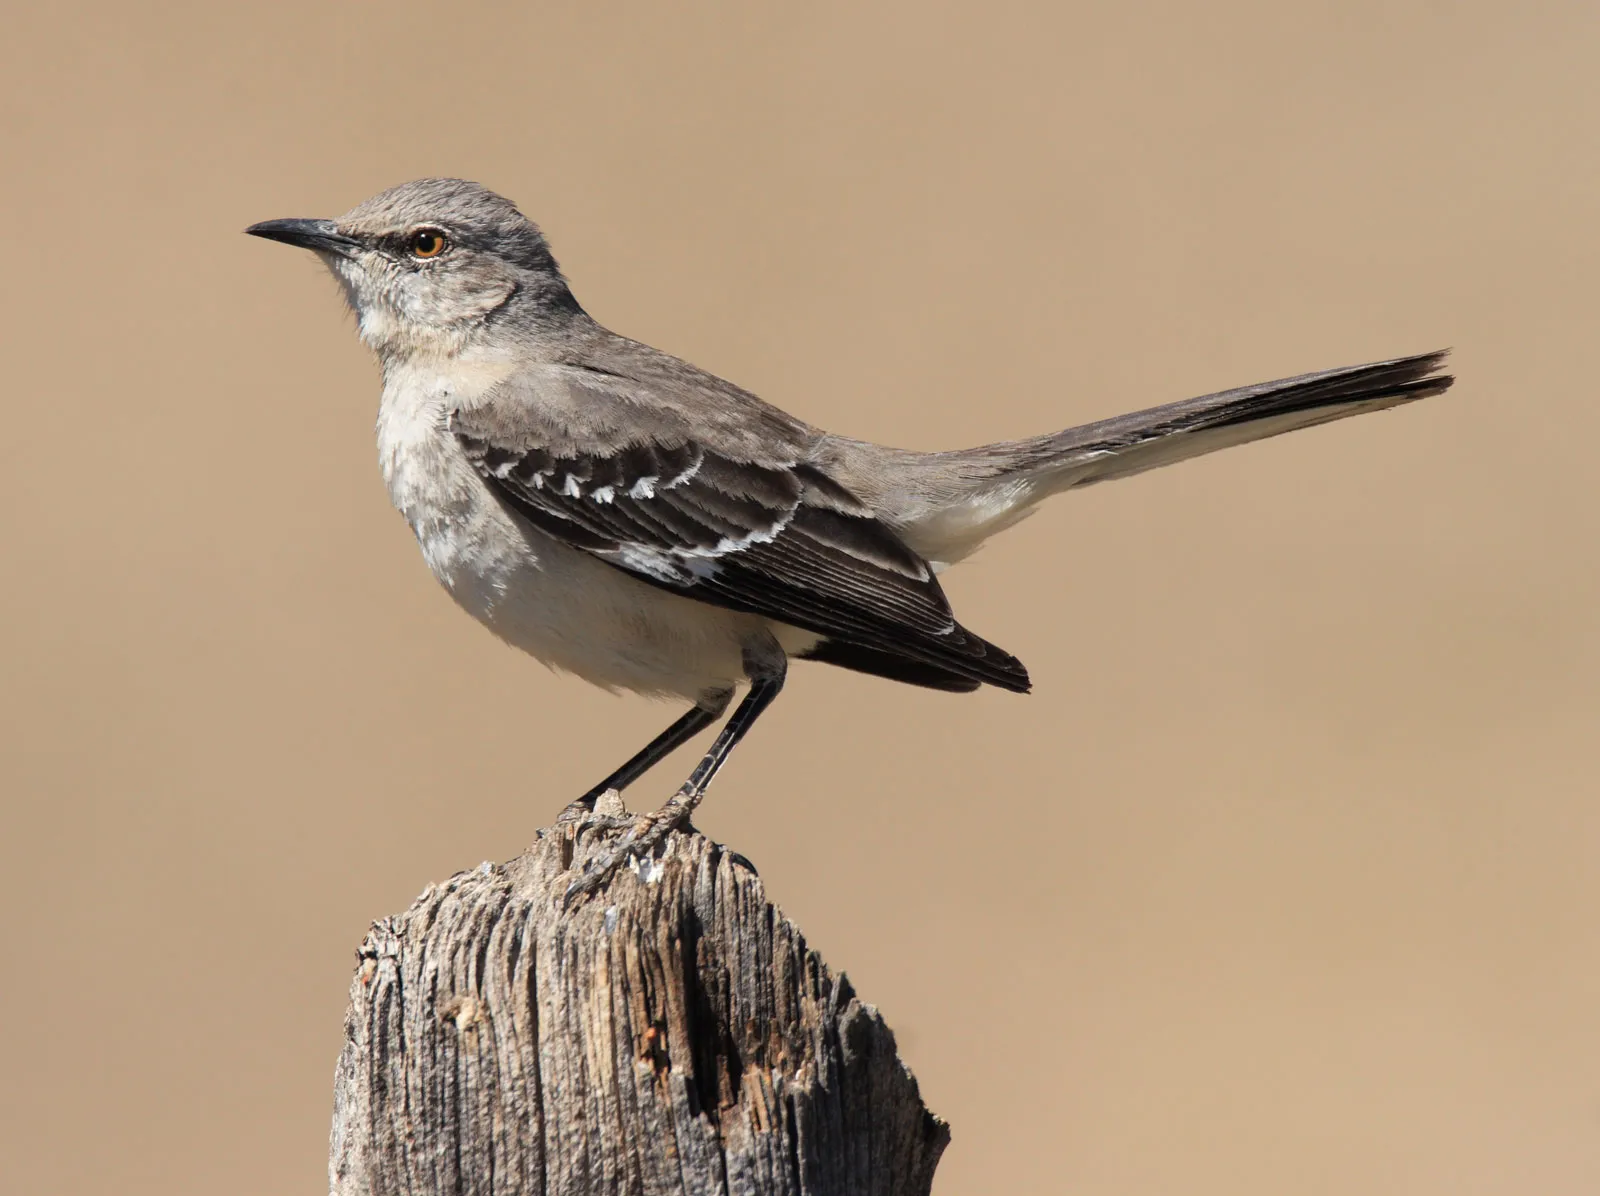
point(777, 538)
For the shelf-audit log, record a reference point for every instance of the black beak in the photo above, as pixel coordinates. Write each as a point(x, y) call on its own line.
point(321, 235)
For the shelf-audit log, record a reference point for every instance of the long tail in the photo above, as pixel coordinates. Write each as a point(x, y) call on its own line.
point(1130, 444)
point(973, 493)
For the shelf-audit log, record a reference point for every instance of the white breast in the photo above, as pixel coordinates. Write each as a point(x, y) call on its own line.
point(565, 607)
point(438, 492)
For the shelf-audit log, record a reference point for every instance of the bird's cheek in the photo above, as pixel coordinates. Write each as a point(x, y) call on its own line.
point(447, 304)
point(381, 331)
point(353, 281)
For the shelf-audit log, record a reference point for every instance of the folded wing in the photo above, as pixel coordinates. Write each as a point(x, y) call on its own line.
point(774, 537)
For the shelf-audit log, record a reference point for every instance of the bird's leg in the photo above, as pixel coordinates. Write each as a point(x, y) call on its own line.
point(766, 666)
point(704, 712)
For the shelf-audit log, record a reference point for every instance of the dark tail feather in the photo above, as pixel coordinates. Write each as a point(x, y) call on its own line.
point(993, 666)
point(886, 664)
point(1130, 444)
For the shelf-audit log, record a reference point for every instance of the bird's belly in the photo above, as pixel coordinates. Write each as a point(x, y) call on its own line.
point(557, 603)
point(583, 616)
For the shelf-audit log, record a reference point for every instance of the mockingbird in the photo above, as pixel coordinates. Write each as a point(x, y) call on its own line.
point(625, 516)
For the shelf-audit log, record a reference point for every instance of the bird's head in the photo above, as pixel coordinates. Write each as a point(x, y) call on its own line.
point(429, 264)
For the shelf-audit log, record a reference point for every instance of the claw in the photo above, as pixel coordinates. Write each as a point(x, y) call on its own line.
point(598, 872)
point(607, 805)
point(642, 839)
point(583, 887)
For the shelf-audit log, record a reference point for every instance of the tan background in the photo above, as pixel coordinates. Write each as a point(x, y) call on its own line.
point(1285, 880)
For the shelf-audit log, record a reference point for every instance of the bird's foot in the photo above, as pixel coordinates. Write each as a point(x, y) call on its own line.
point(647, 833)
point(604, 807)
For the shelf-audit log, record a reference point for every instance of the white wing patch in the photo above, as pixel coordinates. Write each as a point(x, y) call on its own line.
point(689, 565)
point(738, 543)
point(686, 475)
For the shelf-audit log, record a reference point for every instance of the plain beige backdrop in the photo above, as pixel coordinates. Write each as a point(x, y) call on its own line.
point(1286, 877)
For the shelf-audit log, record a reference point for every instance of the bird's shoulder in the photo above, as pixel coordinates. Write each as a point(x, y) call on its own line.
point(586, 461)
point(629, 446)
point(608, 392)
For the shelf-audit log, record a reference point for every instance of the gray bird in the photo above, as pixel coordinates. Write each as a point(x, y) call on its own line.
point(620, 514)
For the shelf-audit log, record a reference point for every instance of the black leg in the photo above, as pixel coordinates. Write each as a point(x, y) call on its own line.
point(766, 666)
point(762, 691)
point(705, 712)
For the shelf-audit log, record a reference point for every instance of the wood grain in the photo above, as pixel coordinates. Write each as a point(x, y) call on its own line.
point(673, 1034)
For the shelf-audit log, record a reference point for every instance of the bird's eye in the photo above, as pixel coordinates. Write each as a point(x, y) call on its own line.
point(427, 242)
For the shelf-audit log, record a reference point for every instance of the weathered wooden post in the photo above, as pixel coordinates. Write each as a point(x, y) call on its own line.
point(671, 1035)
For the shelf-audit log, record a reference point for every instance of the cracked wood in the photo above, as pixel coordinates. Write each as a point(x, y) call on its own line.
point(673, 1035)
